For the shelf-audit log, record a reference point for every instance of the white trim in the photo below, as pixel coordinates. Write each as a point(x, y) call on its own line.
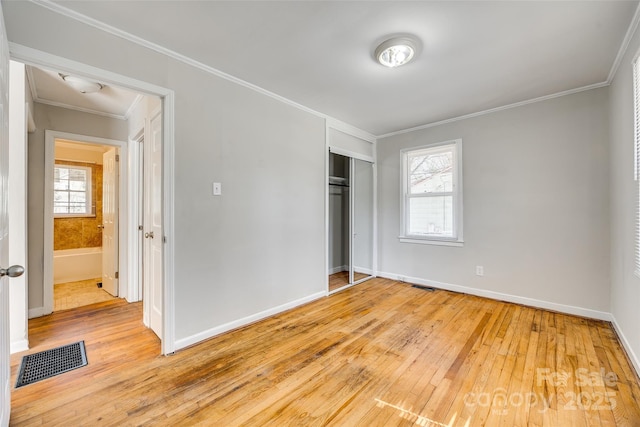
point(363, 270)
point(338, 269)
point(351, 154)
point(18, 346)
point(497, 109)
point(404, 239)
point(58, 8)
point(69, 13)
point(36, 57)
point(327, 193)
point(348, 129)
point(457, 193)
point(31, 122)
point(30, 56)
point(31, 81)
point(635, 361)
point(168, 180)
point(531, 302)
point(209, 333)
point(76, 108)
point(133, 105)
point(633, 25)
point(36, 312)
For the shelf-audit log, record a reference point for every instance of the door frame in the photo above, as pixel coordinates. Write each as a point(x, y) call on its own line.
point(50, 137)
point(39, 58)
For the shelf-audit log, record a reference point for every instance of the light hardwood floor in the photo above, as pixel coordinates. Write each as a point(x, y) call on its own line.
point(381, 353)
point(341, 279)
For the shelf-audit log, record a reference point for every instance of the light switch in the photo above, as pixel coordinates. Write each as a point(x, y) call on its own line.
point(217, 189)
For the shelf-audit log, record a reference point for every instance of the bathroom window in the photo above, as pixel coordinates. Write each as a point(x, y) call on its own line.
point(72, 191)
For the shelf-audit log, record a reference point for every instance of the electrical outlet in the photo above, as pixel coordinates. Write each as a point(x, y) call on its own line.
point(217, 189)
point(479, 270)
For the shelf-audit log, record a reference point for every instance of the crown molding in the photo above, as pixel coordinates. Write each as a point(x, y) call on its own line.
point(495, 110)
point(633, 26)
point(80, 109)
point(133, 105)
point(57, 8)
point(69, 13)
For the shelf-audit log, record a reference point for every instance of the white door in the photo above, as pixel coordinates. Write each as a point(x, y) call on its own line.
point(110, 221)
point(153, 226)
point(5, 370)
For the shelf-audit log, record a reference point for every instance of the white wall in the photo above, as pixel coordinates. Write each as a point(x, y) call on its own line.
point(536, 212)
point(625, 286)
point(62, 120)
point(259, 246)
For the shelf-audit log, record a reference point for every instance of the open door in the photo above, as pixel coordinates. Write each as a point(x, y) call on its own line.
point(110, 221)
point(153, 233)
point(5, 273)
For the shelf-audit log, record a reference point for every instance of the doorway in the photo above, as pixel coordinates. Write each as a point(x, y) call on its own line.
point(129, 235)
point(351, 221)
point(85, 223)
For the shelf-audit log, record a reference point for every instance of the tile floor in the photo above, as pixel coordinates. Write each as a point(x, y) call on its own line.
point(78, 294)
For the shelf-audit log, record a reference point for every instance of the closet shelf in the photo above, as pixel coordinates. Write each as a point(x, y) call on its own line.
point(338, 180)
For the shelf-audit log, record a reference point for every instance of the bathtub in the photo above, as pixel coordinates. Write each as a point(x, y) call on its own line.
point(72, 265)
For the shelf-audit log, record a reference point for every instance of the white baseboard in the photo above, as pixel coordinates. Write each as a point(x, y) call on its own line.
point(364, 270)
point(562, 308)
point(201, 336)
point(338, 269)
point(37, 312)
point(625, 343)
point(18, 346)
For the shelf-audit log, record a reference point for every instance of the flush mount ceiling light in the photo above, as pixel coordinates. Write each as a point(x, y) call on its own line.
point(396, 51)
point(82, 85)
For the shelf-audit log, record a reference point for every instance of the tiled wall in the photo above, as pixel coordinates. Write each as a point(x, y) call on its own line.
point(72, 233)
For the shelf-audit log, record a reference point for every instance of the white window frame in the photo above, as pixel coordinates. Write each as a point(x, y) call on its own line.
point(457, 239)
point(89, 192)
point(636, 157)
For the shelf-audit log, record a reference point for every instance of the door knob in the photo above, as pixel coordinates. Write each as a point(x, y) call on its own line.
point(148, 235)
point(13, 271)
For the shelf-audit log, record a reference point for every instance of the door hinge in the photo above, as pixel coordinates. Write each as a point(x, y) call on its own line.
point(164, 239)
point(140, 227)
point(117, 157)
point(117, 275)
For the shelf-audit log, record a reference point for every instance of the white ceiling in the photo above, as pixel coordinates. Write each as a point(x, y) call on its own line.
point(475, 55)
point(47, 87)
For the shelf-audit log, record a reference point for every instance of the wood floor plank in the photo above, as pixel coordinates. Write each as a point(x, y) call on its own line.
point(379, 353)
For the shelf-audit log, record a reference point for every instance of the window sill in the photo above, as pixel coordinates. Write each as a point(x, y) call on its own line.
point(404, 239)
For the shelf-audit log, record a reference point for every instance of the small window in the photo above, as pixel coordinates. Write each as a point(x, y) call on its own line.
point(432, 194)
point(72, 191)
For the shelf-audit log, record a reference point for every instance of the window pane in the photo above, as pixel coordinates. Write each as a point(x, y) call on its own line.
point(61, 185)
point(431, 216)
point(78, 198)
point(431, 172)
point(60, 197)
point(77, 185)
point(72, 186)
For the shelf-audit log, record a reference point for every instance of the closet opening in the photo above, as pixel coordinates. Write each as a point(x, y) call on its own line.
point(350, 221)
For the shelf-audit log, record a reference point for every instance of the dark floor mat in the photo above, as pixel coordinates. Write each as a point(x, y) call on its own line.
point(49, 363)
